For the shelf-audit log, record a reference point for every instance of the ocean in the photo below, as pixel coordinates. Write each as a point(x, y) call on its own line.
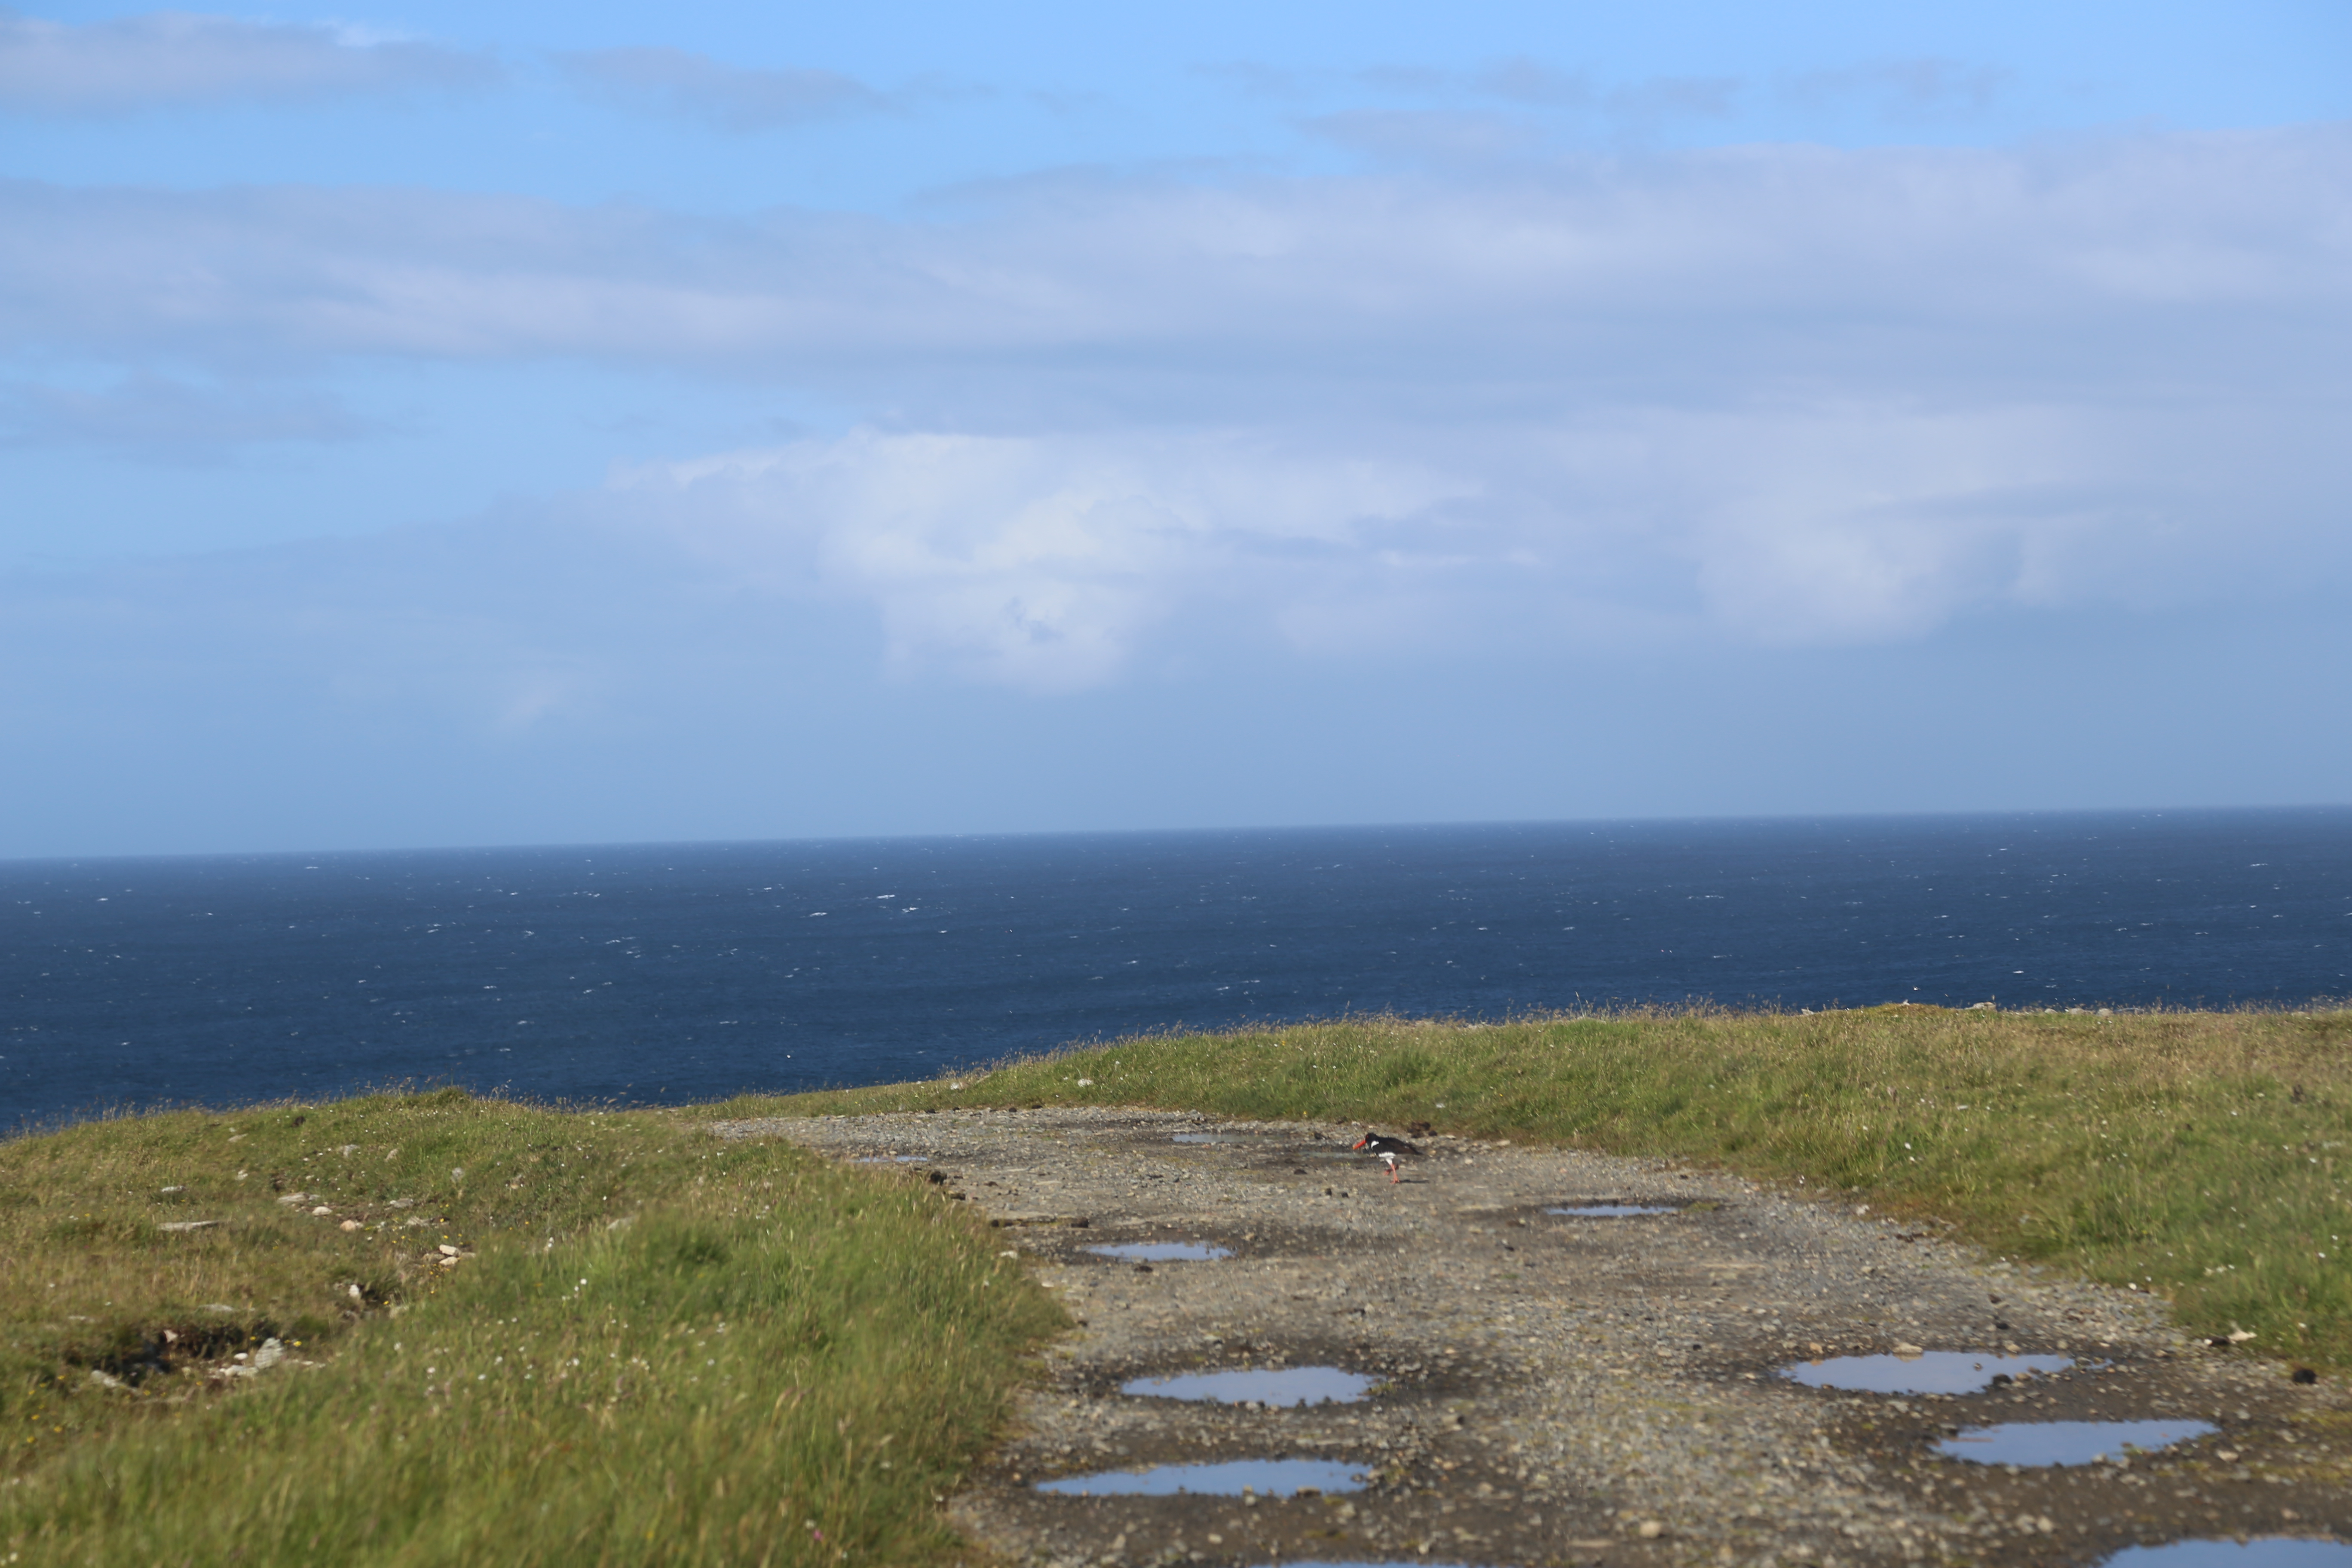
point(677, 972)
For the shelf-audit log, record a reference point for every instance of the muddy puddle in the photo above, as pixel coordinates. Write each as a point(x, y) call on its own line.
point(2276, 1552)
point(1232, 1478)
point(1770, 1379)
point(1163, 1252)
point(2068, 1442)
point(1273, 1388)
point(1933, 1371)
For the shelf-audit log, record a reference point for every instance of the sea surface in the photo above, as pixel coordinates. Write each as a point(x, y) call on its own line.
point(689, 972)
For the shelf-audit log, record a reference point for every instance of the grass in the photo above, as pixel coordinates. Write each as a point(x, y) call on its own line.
point(654, 1346)
point(657, 1347)
point(2199, 1155)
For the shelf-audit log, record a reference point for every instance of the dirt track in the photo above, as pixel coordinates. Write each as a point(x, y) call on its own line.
point(1557, 1390)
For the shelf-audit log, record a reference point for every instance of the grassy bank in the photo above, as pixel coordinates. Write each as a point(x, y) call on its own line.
point(2200, 1155)
point(650, 1347)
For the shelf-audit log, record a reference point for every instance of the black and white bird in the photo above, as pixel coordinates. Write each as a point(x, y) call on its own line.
point(1387, 1151)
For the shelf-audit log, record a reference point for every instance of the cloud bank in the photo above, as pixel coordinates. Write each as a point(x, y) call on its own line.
point(1778, 397)
point(1676, 274)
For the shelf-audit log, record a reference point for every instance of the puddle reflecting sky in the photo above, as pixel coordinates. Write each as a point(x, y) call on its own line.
point(1271, 1385)
point(1938, 1372)
point(1215, 1137)
point(892, 1160)
point(2274, 1553)
point(2066, 1442)
point(1162, 1251)
point(1267, 1478)
point(1609, 1211)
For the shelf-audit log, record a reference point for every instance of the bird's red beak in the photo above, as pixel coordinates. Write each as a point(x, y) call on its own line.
point(1361, 1141)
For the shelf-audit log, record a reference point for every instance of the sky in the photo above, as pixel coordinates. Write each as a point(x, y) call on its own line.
point(435, 424)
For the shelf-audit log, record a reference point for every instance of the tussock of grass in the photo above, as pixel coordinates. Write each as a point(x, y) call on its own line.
point(2201, 1155)
point(655, 1348)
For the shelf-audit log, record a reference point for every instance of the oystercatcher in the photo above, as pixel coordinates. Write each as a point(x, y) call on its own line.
point(1387, 1151)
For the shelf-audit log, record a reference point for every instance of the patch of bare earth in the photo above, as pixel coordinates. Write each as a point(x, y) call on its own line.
point(1557, 1390)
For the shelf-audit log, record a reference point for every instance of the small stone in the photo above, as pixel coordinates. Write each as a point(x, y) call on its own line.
point(448, 1250)
point(188, 1225)
point(352, 1225)
point(323, 1209)
point(1649, 1530)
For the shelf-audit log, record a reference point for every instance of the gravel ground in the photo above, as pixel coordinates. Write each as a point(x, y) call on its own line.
point(1556, 1390)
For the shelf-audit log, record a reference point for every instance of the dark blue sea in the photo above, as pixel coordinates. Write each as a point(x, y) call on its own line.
point(689, 972)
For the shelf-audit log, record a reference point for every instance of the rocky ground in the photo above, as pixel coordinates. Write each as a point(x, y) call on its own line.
point(1557, 1390)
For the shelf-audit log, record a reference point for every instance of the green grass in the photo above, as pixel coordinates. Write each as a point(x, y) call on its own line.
point(655, 1347)
point(2200, 1155)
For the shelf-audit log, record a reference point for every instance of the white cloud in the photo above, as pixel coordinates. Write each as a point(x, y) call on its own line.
point(1038, 562)
point(151, 415)
point(168, 59)
point(673, 82)
point(1062, 561)
point(1921, 88)
point(1697, 274)
point(1786, 395)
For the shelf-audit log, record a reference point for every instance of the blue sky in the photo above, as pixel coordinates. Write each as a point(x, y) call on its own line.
point(440, 424)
